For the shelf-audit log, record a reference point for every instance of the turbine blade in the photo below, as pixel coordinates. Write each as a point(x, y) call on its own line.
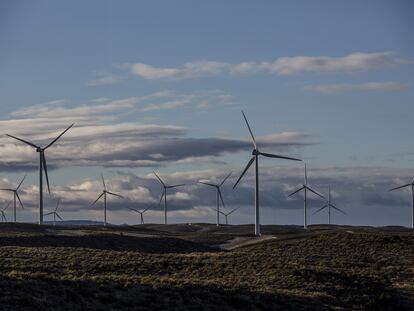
point(245, 170)
point(224, 180)
point(23, 141)
point(233, 210)
point(59, 136)
point(158, 177)
point(220, 212)
point(45, 168)
point(103, 181)
point(306, 176)
point(208, 184)
point(296, 191)
point(20, 201)
point(400, 187)
point(133, 209)
point(57, 215)
point(250, 130)
point(3, 189)
point(8, 204)
point(162, 196)
point(315, 192)
point(21, 183)
point(325, 206)
point(97, 198)
point(175, 186)
point(269, 155)
point(115, 194)
point(337, 208)
point(145, 210)
point(57, 204)
point(47, 214)
point(221, 197)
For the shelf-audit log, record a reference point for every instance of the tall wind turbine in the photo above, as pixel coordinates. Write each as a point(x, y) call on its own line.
point(229, 213)
point(141, 213)
point(305, 188)
point(255, 158)
point(16, 195)
point(164, 194)
point(412, 195)
point(329, 205)
point(219, 195)
point(42, 166)
point(104, 194)
point(3, 215)
point(55, 214)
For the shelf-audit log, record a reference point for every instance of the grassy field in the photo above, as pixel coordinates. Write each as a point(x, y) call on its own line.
point(191, 267)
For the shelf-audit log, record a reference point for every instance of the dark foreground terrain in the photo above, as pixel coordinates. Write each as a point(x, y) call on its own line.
point(201, 267)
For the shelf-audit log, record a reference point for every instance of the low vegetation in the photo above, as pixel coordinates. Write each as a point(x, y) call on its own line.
point(181, 267)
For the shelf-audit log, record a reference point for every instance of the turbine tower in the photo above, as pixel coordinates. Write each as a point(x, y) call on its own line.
point(219, 195)
point(42, 166)
point(3, 215)
point(255, 159)
point(412, 195)
point(329, 205)
point(104, 194)
point(164, 194)
point(141, 213)
point(55, 214)
point(16, 195)
point(227, 214)
point(305, 188)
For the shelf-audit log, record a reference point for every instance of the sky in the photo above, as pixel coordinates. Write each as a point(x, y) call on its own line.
point(160, 85)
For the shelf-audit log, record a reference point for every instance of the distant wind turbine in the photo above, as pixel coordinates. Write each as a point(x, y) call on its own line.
point(219, 195)
point(255, 158)
point(305, 188)
point(164, 194)
point(104, 193)
point(412, 195)
point(55, 214)
point(141, 213)
point(3, 215)
point(229, 213)
point(16, 195)
point(42, 166)
point(329, 205)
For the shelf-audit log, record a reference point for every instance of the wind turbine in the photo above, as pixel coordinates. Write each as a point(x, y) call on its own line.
point(141, 213)
point(255, 158)
point(3, 215)
point(55, 214)
point(42, 166)
point(219, 196)
point(164, 194)
point(16, 195)
point(227, 214)
point(412, 195)
point(329, 205)
point(104, 193)
point(305, 188)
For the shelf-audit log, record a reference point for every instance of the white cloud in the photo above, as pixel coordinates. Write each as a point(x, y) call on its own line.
point(104, 78)
point(353, 62)
point(362, 87)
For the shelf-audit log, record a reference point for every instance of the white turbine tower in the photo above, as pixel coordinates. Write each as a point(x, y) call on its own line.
point(219, 195)
point(104, 193)
point(255, 158)
point(164, 194)
point(328, 205)
point(306, 188)
point(55, 214)
point(227, 214)
point(141, 213)
point(3, 215)
point(42, 166)
point(412, 196)
point(16, 195)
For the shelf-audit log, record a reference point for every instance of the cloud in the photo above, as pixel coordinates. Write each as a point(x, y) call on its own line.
point(353, 62)
point(362, 87)
point(104, 78)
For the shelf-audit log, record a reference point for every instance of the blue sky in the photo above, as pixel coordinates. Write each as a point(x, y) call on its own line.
point(334, 79)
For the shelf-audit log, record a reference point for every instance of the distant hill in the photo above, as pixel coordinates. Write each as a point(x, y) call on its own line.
point(75, 223)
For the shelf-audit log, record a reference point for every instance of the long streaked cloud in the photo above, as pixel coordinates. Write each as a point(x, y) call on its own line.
point(103, 137)
point(361, 87)
point(353, 62)
point(104, 78)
